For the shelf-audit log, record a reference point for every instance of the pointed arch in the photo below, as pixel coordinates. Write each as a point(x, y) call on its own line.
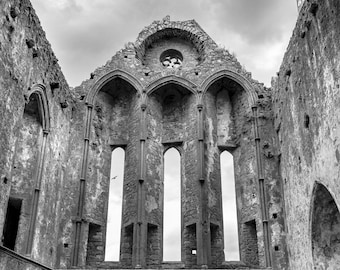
point(106, 94)
point(155, 85)
point(98, 85)
point(40, 91)
point(243, 94)
point(32, 139)
point(238, 78)
point(325, 228)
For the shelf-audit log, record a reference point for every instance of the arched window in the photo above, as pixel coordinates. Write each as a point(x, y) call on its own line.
point(172, 206)
point(114, 216)
point(325, 230)
point(27, 173)
point(230, 230)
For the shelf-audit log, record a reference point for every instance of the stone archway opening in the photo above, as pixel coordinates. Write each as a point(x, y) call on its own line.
point(28, 155)
point(171, 125)
point(112, 130)
point(228, 109)
point(325, 229)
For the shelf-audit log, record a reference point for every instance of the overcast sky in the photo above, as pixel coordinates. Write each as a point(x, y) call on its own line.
point(85, 34)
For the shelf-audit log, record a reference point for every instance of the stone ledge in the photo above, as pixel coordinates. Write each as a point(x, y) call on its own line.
point(236, 265)
point(22, 258)
point(160, 268)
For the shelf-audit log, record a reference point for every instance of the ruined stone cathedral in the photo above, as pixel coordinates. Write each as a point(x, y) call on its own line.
point(172, 88)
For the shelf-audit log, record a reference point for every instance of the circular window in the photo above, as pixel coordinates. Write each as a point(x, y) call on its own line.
point(171, 58)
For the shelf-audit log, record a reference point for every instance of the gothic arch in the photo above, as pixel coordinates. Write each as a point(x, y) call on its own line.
point(152, 87)
point(324, 228)
point(241, 80)
point(35, 126)
point(40, 91)
point(245, 88)
point(97, 86)
point(168, 147)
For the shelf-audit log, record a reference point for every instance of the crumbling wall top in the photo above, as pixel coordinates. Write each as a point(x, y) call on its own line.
point(188, 30)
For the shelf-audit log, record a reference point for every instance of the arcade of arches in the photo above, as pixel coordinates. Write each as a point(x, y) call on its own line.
point(170, 155)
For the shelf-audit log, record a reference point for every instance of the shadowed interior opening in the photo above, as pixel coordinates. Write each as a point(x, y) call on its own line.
point(11, 222)
point(325, 230)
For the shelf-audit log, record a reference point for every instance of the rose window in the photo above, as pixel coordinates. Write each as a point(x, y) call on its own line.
point(171, 59)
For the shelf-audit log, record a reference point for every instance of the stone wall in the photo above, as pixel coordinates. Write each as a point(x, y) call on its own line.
point(189, 53)
point(12, 260)
point(307, 116)
point(56, 147)
point(30, 79)
point(134, 102)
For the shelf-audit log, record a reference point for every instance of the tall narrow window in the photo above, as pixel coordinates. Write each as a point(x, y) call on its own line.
point(230, 231)
point(172, 206)
point(114, 217)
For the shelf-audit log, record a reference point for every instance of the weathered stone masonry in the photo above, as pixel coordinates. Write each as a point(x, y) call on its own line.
point(173, 87)
point(306, 114)
point(35, 112)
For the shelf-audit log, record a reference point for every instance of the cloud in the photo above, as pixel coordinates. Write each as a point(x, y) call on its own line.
point(85, 34)
point(257, 21)
point(258, 32)
point(60, 5)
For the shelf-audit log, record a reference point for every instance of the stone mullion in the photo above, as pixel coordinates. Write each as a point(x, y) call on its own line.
point(202, 229)
point(36, 194)
point(262, 190)
point(82, 188)
point(141, 226)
